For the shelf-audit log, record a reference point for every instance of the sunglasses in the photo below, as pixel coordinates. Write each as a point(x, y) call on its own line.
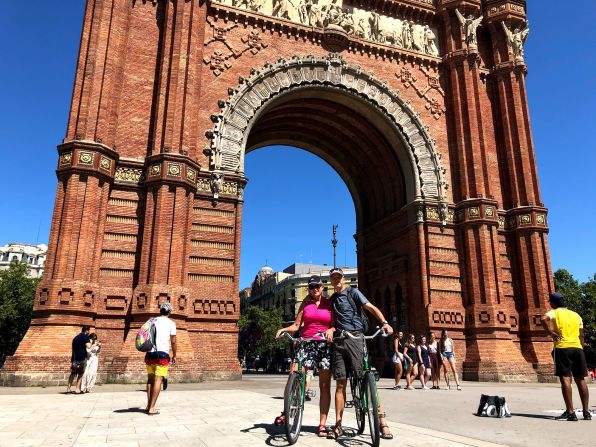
point(314, 286)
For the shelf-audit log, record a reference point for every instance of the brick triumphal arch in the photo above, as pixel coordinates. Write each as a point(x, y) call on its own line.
point(419, 105)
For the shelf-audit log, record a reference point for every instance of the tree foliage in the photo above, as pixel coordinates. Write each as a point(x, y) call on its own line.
point(581, 298)
point(257, 331)
point(17, 292)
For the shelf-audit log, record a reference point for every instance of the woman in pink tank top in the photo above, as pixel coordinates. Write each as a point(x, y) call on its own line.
point(314, 315)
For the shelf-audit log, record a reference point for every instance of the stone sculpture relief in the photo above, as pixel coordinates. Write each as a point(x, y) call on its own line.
point(469, 25)
point(228, 136)
point(356, 22)
point(516, 40)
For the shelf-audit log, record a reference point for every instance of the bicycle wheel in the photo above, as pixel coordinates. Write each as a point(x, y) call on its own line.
point(360, 416)
point(293, 408)
point(372, 407)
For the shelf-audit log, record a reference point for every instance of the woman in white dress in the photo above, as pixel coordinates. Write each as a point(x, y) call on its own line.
point(90, 375)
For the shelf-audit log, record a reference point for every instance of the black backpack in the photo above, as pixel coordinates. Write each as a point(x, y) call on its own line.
point(357, 306)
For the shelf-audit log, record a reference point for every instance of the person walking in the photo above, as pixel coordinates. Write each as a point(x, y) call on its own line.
point(411, 360)
point(158, 359)
point(348, 354)
point(90, 375)
point(423, 361)
point(78, 359)
point(567, 331)
point(435, 361)
point(398, 358)
point(314, 315)
point(448, 358)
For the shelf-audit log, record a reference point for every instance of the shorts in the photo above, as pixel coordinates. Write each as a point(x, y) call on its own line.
point(426, 362)
point(570, 362)
point(348, 355)
point(315, 354)
point(157, 370)
point(449, 355)
point(396, 359)
point(157, 363)
point(78, 367)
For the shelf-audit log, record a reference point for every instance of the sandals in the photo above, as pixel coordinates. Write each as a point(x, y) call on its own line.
point(280, 420)
point(335, 432)
point(322, 431)
point(387, 435)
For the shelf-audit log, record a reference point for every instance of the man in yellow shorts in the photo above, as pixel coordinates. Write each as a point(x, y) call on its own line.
point(158, 359)
point(567, 330)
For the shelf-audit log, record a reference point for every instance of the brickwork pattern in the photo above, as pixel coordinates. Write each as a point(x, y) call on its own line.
point(136, 220)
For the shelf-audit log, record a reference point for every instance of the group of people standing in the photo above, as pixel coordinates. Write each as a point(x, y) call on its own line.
point(325, 321)
point(84, 362)
point(424, 358)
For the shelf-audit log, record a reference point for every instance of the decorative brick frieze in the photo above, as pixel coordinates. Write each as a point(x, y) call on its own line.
point(87, 157)
point(530, 218)
point(173, 169)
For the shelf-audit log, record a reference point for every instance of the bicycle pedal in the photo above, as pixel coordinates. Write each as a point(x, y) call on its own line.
point(349, 404)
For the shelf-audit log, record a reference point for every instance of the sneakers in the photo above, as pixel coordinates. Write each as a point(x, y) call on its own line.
point(447, 387)
point(458, 388)
point(425, 388)
point(566, 416)
point(397, 387)
point(409, 388)
point(587, 416)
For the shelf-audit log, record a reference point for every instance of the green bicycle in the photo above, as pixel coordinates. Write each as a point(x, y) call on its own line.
point(295, 392)
point(365, 398)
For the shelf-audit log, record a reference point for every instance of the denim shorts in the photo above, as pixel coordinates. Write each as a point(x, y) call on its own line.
point(449, 355)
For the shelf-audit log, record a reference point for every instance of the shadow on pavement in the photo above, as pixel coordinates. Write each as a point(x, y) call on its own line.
point(130, 410)
point(533, 416)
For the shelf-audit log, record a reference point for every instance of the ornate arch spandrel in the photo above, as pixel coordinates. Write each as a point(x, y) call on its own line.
point(245, 103)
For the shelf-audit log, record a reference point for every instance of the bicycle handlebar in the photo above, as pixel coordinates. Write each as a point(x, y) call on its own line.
point(302, 339)
point(369, 337)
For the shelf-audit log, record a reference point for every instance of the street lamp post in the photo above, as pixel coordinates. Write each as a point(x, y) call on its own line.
point(334, 243)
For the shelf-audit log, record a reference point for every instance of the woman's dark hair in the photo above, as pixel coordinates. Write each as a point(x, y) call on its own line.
point(443, 334)
point(85, 328)
point(93, 336)
point(420, 339)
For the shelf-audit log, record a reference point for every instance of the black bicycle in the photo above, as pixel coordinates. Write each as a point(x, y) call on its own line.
point(365, 397)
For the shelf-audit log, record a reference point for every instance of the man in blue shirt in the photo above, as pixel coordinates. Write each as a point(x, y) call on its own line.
point(78, 358)
point(349, 305)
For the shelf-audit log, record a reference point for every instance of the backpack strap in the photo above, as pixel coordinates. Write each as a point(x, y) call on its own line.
point(357, 307)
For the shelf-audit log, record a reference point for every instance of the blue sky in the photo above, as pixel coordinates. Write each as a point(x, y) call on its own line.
point(288, 212)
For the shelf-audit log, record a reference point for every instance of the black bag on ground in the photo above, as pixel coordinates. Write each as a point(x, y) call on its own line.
point(493, 406)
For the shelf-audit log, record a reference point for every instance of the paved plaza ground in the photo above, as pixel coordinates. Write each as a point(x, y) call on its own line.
point(241, 414)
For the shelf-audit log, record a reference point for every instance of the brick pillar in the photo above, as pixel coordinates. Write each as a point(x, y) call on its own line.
point(525, 213)
point(490, 352)
point(66, 297)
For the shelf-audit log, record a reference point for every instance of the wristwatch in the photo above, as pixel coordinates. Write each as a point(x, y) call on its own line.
point(385, 322)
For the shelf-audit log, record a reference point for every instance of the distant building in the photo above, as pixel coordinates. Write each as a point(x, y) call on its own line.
point(33, 255)
point(287, 289)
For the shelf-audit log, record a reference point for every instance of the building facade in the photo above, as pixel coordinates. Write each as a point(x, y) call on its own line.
point(33, 255)
point(419, 105)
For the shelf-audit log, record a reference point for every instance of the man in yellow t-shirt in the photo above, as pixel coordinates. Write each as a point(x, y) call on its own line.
point(567, 330)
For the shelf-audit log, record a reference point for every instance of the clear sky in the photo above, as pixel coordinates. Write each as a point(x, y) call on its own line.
point(289, 210)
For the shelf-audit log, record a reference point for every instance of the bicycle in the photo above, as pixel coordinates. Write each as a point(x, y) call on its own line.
point(295, 392)
point(365, 398)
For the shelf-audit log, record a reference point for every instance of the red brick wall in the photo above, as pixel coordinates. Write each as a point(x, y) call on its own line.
point(132, 227)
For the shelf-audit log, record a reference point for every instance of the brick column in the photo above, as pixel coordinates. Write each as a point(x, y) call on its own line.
point(525, 213)
point(490, 352)
point(66, 297)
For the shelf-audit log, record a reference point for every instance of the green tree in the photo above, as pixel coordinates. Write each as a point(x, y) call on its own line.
point(257, 331)
point(580, 298)
point(17, 292)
